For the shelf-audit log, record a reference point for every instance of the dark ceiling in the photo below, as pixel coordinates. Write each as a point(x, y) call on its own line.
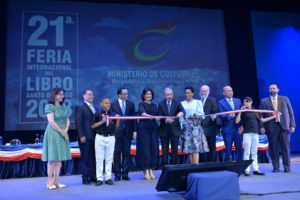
point(275, 5)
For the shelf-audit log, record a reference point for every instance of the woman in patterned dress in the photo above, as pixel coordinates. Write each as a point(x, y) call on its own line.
point(195, 140)
point(56, 140)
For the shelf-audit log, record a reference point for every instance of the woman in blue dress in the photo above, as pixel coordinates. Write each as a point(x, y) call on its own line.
point(147, 137)
point(56, 140)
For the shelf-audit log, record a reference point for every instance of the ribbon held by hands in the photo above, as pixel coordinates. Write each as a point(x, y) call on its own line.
point(135, 118)
point(276, 113)
point(108, 118)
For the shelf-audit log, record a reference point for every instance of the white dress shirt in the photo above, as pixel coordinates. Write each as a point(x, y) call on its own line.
point(90, 105)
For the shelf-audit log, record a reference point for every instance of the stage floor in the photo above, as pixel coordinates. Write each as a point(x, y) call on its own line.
point(271, 186)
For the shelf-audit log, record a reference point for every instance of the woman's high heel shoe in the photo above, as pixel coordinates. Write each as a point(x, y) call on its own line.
point(146, 175)
point(51, 187)
point(59, 185)
point(151, 174)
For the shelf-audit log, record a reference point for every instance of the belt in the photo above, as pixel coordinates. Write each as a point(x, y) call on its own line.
point(106, 134)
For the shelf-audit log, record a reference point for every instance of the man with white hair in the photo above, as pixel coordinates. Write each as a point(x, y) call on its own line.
point(209, 124)
point(170, 129)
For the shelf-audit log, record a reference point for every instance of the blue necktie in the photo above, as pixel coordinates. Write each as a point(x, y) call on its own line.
point(169, 106)
point(202, 100)
point(230, 101)
point(123, 107)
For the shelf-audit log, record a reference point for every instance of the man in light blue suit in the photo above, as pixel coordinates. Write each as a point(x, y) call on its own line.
point(230, 130)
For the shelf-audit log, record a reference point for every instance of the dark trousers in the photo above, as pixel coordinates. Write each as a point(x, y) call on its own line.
point(87, 159)
point(122, 158)
point(279, 139)
point(147, 153)
point(211, 155)
point(228, 140)
point(165, 141)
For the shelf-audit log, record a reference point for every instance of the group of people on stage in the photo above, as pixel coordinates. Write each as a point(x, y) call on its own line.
point(103, 145)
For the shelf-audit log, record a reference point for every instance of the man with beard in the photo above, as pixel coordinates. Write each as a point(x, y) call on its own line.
point(278, 130)
point(209, 124)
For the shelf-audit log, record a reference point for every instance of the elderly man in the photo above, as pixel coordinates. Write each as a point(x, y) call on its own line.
point(170, 128)
point(209, 124)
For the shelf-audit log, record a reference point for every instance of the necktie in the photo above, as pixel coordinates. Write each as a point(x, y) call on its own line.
point(169, 106)
point(274, 102)
point(123, 107)
point(92, 108)
point(202, 100)
point(230, 101)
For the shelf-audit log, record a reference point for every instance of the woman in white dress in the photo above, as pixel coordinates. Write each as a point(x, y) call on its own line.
point(195, 140)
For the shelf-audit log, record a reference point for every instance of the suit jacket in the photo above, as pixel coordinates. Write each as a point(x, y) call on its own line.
point(228, 123)
point(176, 107)
point(84, 118)
point(287, 118)
point(126, 126)
point(210, 126)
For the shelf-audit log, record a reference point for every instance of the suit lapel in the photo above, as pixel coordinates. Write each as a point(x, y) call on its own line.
point(88, 108)
point(126, 108)
point(206, 105)
point(118, 107)
point(271, 103)
point(165, 106)
point(235, 104)
point(172, 107)
point(279, 101)
point(227, 104)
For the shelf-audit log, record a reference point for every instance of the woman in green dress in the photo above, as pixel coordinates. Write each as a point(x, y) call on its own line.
point(56, 140)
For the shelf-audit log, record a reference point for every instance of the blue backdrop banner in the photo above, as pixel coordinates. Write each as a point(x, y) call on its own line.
point(105, 46)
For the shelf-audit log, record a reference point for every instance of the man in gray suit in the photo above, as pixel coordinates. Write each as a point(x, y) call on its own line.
point(279, 129)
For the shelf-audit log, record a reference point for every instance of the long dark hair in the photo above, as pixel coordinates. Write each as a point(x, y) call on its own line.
point(53, 93)
point(145, 90)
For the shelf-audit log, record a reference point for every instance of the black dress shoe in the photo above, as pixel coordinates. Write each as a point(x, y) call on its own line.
point(125, 178)
point(93, 180)
point(287, 170)
point(246, 173)
point(98, 183)
point(258, 173)
point(86, 181)
point(117, 178)
point(109, 182)
point(275, 170)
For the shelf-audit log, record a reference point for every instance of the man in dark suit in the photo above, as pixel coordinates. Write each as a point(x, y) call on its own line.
point(209, 124)
point(169, 128)
point(230, 130)
point(84, 117)
point(124, 135)
point(278, 130)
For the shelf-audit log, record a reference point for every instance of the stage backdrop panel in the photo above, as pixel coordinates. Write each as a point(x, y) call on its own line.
point(105, 46)
point(277, 51)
